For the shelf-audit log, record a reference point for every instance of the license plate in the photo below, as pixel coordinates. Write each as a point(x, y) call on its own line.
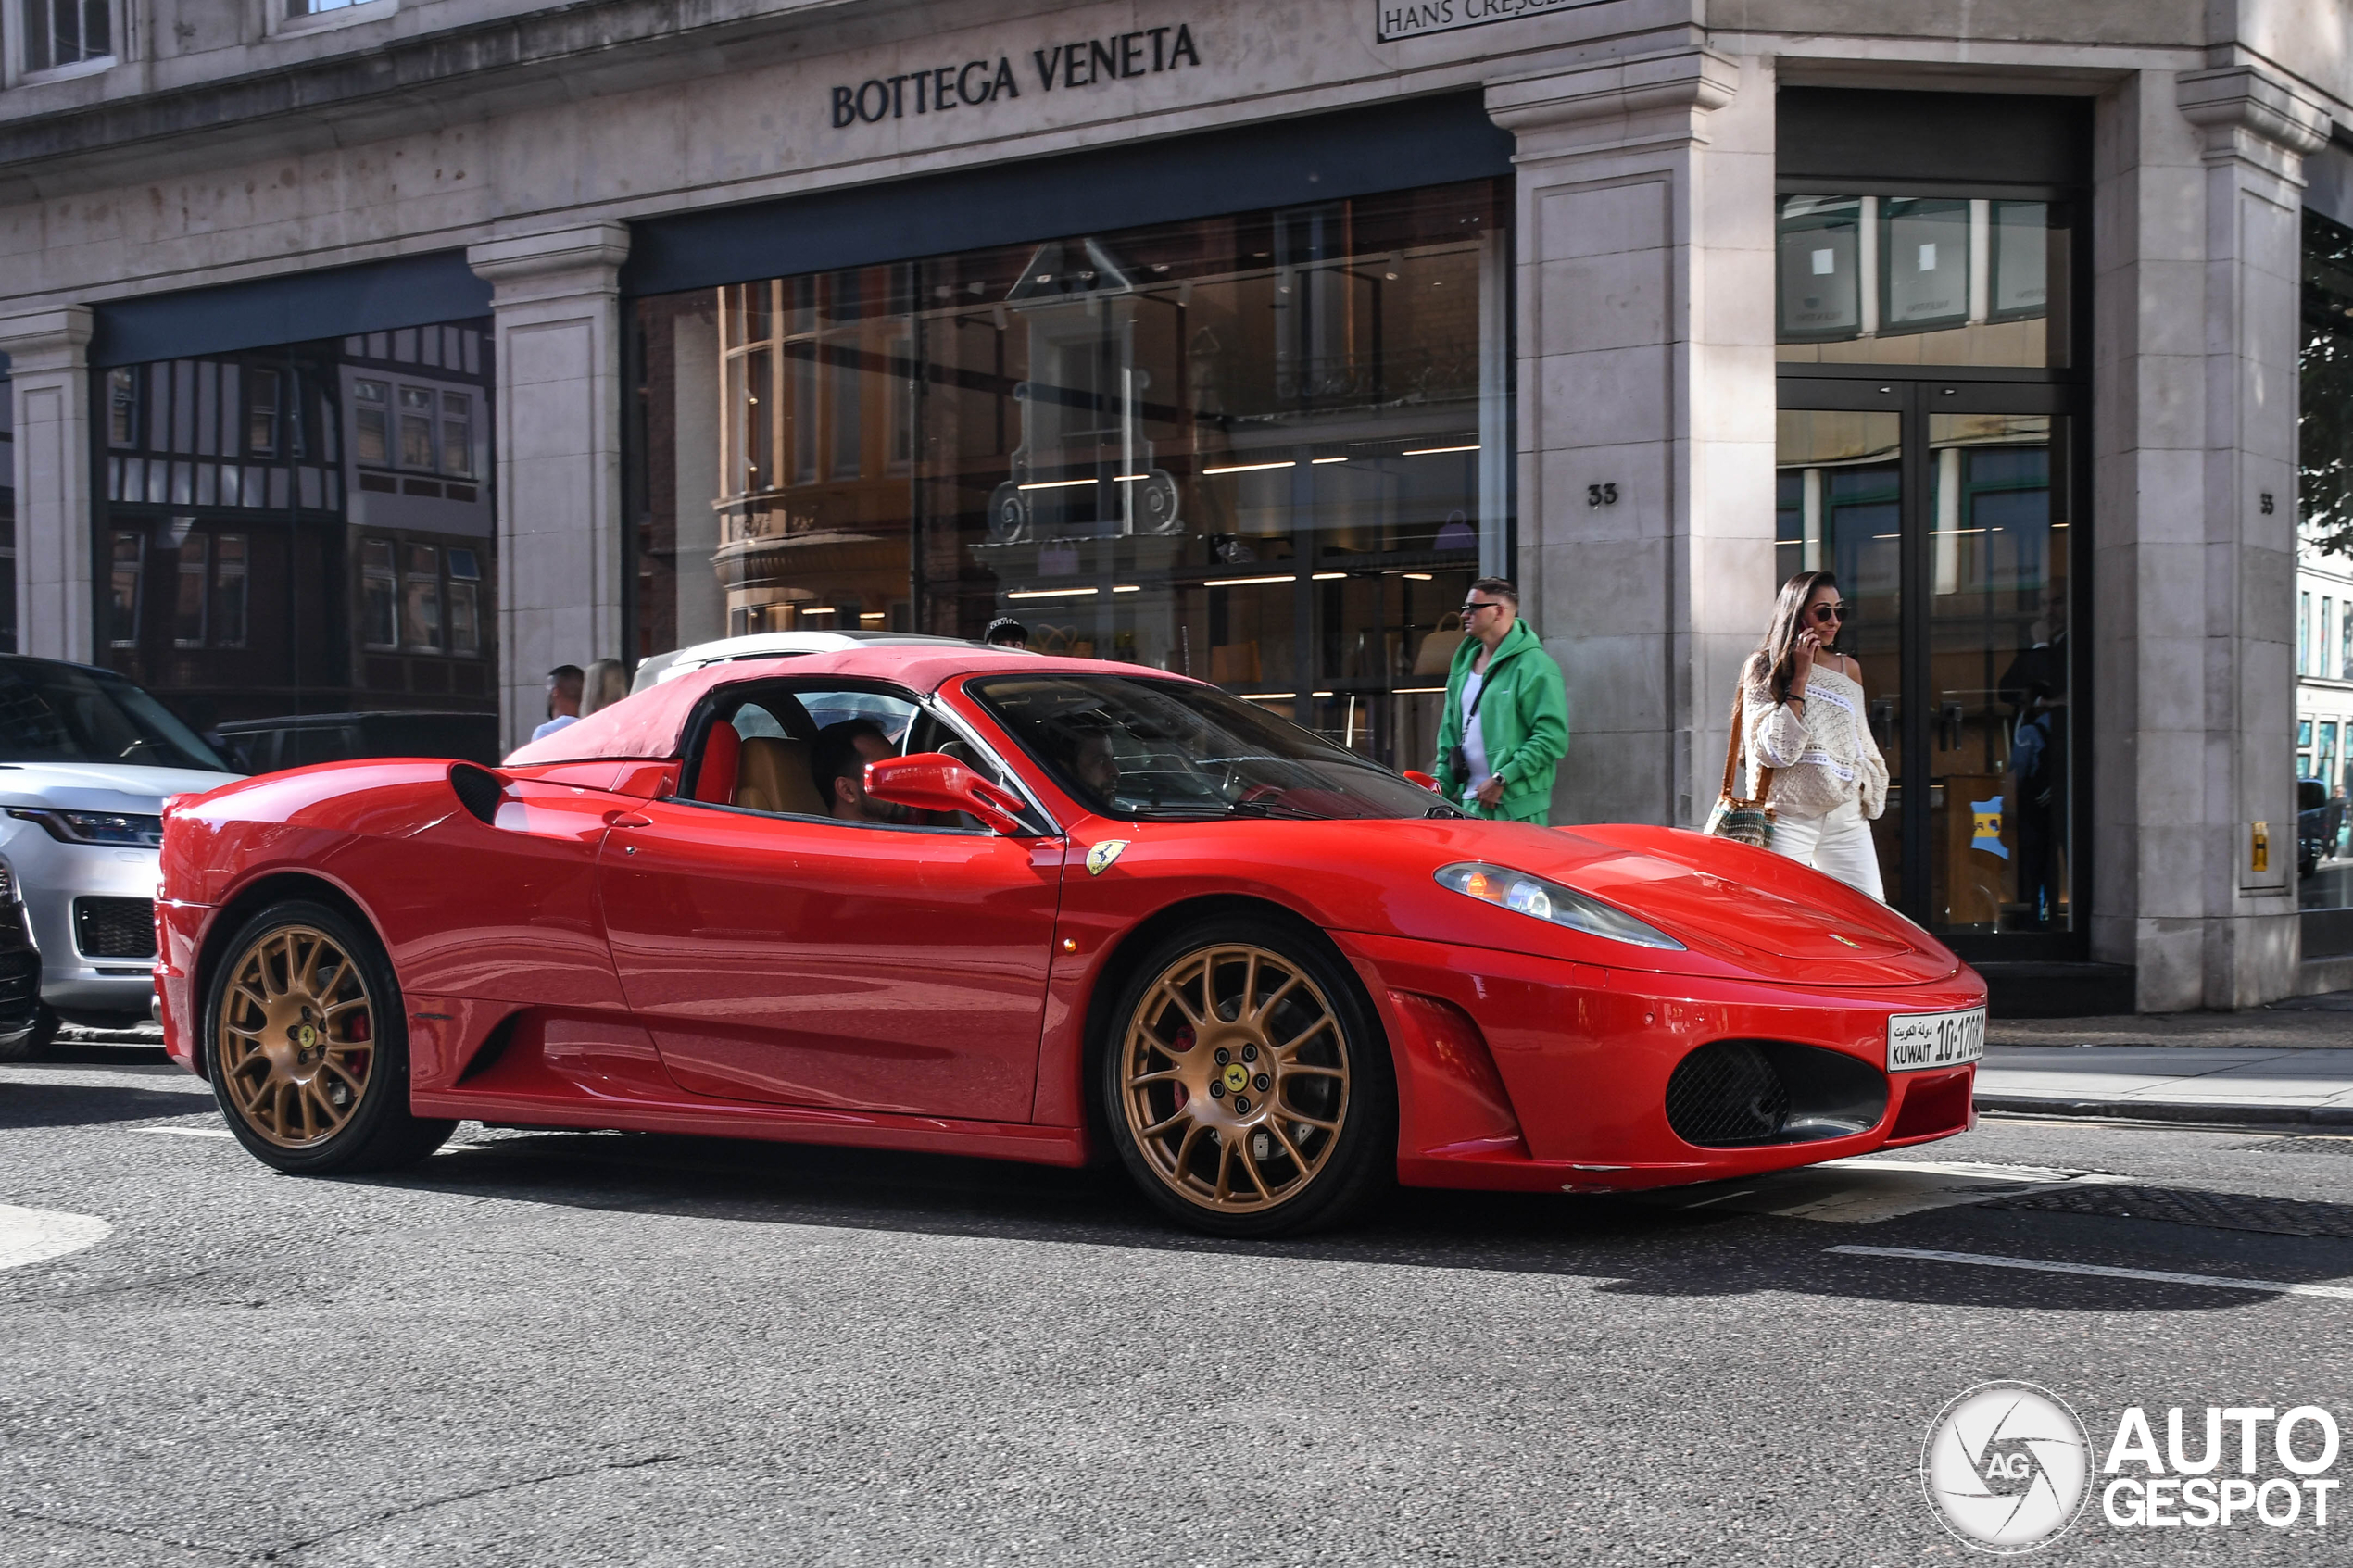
point(1922, 1040)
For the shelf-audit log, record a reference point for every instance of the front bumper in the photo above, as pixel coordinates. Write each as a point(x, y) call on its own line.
point(50, 876)
point(1540, 1074)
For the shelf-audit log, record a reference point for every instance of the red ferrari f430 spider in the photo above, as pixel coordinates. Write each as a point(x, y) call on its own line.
point(934, 896)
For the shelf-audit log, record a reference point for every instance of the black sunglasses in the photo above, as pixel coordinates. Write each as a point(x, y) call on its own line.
point(1472, 607)
point(1843, 610)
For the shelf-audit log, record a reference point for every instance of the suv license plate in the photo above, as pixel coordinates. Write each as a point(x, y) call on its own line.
point(1922, 1040)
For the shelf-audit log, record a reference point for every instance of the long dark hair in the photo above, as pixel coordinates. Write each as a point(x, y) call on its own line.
point(1774, 664)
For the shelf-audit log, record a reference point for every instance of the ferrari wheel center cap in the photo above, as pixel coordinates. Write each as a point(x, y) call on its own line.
point(1237, 1078)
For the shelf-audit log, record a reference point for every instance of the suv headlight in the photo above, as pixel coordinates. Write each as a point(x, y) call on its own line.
point(93, 827)
point(1550, 901)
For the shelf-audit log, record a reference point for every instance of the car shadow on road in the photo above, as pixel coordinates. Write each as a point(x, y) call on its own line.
point(1627, 1246)
point(24, 1106)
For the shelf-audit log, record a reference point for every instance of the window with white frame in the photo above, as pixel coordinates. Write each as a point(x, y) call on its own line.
point(413, 439)
point(66, 32)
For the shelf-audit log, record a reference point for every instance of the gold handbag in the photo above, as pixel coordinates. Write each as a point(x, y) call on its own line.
point(1436, 656)
point(1743, 821)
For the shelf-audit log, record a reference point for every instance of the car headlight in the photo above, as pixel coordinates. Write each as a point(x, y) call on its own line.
point(93, 827)
point(1550, 901)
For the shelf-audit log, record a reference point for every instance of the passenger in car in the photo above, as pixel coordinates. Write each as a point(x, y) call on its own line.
point(839, 763)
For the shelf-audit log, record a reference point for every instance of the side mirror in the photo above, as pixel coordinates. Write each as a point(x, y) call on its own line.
point(931, 781)
point(1422, 779)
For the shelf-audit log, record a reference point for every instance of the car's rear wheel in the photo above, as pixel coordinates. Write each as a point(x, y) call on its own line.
point(306, 1046)
point(1246, 1086)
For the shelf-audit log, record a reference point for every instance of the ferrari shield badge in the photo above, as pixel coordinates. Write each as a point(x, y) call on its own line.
point(1100, 857)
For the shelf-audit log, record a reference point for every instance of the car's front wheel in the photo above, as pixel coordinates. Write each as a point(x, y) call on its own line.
point(306, 1046)
point(1246, 1085)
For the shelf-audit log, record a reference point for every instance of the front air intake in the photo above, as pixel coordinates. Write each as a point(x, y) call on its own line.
point(1737, 1094)
point(115, 928)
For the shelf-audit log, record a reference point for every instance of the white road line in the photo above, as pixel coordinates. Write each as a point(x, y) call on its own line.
point(2101, 1271)
point(225, 1133)
point(34, 1236)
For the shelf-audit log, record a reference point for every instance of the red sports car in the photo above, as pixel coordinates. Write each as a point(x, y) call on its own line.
point(984, 902)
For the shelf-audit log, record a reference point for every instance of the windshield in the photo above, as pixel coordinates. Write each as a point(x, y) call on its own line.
point(59, 713)
point(1158, 750)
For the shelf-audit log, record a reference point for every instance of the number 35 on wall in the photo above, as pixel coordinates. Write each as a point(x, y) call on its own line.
point(1600, 494)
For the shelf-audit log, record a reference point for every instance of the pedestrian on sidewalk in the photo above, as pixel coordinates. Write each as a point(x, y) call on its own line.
point(1505, 727)
point(604, 683)
point(1803, 708)
point(564, 683)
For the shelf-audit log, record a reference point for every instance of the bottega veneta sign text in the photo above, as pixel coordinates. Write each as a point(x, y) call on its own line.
point(1121, 56)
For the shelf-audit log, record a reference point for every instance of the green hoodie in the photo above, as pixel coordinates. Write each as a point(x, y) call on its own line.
point(1523, 718)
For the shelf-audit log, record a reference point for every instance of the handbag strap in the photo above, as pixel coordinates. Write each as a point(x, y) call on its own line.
point(1732, 749)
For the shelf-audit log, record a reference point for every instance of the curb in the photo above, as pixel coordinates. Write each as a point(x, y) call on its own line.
point(2158, 1110)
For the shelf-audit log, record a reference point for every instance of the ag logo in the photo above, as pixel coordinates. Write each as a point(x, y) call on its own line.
point(1100, 857)
point(2007, 1467)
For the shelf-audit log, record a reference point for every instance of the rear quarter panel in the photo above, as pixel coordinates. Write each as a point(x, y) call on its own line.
point(505, 913)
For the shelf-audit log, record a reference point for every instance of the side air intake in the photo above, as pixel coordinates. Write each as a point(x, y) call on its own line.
point(478, 789)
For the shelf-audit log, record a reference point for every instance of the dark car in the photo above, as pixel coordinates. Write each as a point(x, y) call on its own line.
point(267, 746)
point(2319, 823)
point(20, 1018)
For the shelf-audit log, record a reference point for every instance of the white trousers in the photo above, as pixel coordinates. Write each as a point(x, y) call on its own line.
point(1836, 844)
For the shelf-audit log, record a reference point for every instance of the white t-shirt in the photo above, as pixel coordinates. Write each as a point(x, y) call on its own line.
point(1474, 741)
point(552, 726)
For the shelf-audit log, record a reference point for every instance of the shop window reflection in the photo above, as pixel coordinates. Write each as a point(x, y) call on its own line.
point(1920, 281)
point(1163, 446)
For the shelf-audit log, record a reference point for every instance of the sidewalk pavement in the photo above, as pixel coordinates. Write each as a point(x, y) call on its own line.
point(2290, 1064)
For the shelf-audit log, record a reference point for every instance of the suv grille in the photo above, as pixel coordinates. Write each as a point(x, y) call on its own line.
point(1726, 1094)
point(115, 928)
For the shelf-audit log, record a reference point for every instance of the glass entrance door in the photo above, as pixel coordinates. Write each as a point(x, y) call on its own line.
point(1948, 512)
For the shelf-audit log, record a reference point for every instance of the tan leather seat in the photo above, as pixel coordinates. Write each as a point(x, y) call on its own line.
point(773, 776)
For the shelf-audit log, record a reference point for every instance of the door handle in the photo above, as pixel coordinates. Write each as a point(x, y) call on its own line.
point(628, 820)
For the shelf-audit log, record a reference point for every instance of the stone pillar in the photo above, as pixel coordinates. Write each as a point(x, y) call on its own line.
point(49, 374)
point(2197, 241)
point(556, 300)
point(1645, 228)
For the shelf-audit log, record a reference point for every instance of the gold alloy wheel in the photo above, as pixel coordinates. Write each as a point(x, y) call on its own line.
point(296, 1042)
point(1234, 1078)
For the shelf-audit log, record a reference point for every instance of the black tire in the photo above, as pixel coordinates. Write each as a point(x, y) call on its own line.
point(278, 1056)
point(32, 1043)
point(1192, 1114)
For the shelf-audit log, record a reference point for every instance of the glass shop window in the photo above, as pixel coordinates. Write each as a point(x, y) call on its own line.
point(1923, 281)
point(465, 605)
point(261, 415)
point(1269, 449)
point(130, 548)
point(420, 599)
point(196, 582)
point(380, 611)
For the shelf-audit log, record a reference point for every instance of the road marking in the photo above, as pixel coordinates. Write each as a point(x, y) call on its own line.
point(225, 1133)
point(2101, 1271)
point(1864, 1191)
point(34, 1236)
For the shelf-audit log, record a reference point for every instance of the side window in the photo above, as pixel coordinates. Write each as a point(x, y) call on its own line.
point(782, 746)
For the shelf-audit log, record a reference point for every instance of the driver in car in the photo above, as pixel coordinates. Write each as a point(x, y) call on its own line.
point(1093, 760)
point(839, 762)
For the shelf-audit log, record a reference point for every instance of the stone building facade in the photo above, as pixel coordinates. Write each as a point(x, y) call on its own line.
point(386, 354)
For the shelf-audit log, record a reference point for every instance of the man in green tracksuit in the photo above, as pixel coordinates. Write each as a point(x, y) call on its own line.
point(1506, 724)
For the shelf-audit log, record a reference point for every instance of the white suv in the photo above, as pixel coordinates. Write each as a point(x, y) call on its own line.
point(86, 760)
point(658, 668)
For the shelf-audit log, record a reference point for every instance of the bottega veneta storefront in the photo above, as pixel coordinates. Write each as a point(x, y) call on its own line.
point(1266, 447)
point(1238, 344)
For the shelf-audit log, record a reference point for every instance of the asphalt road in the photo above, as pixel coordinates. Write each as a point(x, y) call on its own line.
point(606, 1349)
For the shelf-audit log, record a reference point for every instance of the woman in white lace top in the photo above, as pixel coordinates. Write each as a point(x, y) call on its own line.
point(1802, 717)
